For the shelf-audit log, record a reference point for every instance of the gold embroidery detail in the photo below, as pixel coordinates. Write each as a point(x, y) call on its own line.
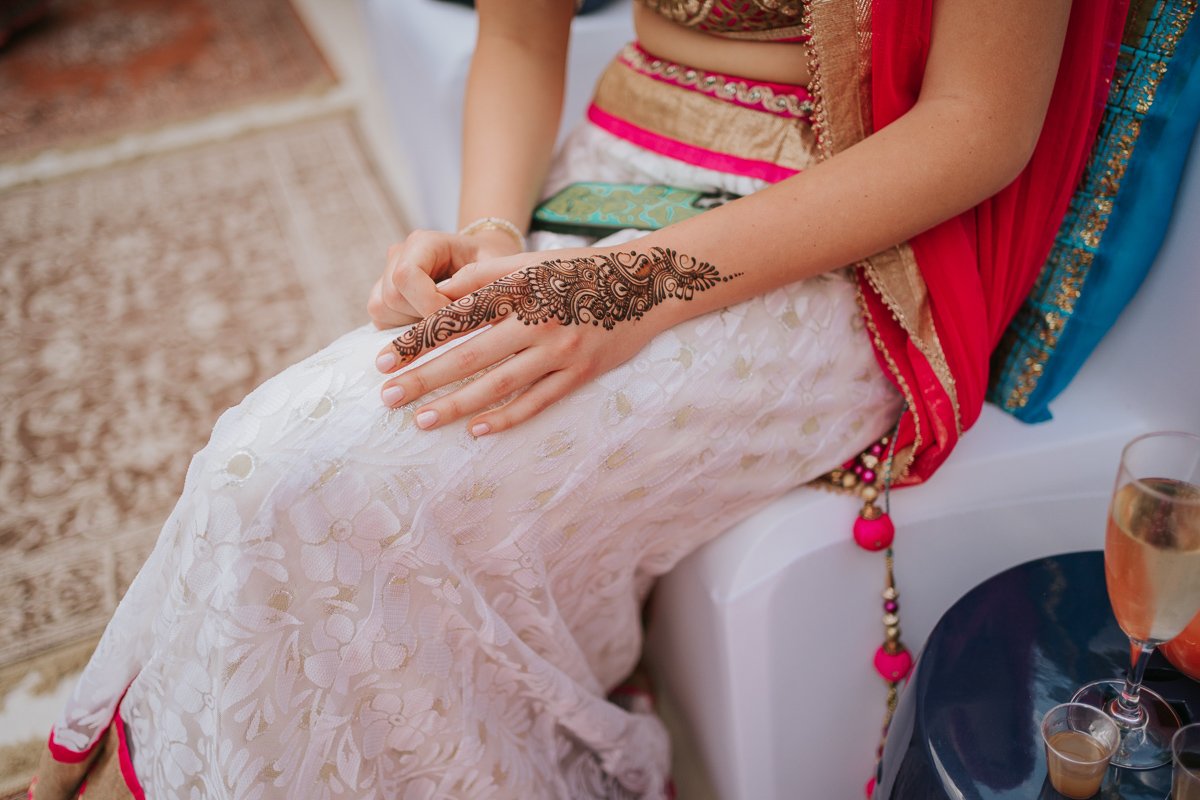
point(703, 120)
point(684, 12)
point(618, 458)
point(556, 444)
point(1070, 266)
point(790, 32)
point(819, 119)
point(718, 85)
point(696, 12)
point(480, 491)
point(839, 122)
point(624, 407)
point(903, 457)
point(682, 416)
point(921, 331)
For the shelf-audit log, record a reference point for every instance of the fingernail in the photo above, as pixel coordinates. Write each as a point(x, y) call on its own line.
point(385, 362)
point(427, 419)
point(440, 285)
point(481, 428)
point(393, 395)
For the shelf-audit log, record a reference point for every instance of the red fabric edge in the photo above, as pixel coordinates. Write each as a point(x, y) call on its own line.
point(64, 755)
point(977, 267)
point(126, 759)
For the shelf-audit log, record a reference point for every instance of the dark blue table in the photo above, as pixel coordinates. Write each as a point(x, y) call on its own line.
point(1009, 650)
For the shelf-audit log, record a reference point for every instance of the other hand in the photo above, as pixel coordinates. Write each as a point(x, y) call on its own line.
point(407, 291)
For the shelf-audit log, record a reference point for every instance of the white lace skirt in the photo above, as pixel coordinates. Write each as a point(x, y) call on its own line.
point(343, 605)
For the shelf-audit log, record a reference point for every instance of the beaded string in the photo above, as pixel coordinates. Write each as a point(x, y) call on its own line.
point(874, 531)
point(893, 662)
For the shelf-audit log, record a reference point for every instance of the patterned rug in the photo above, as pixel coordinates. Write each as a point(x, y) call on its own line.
point(137, 303)
point(90, 70)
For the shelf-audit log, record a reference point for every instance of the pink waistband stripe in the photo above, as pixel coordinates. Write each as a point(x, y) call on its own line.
point(689, 154)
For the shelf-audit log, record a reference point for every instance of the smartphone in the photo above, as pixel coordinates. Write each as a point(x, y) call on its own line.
point(597, 209)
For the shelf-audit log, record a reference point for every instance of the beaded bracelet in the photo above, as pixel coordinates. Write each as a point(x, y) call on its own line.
point(495, 224)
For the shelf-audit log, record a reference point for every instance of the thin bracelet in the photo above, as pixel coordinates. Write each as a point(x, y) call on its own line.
point(496, 224)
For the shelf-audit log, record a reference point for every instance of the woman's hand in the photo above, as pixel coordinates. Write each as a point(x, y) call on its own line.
point(554, 324)
point(407, 291)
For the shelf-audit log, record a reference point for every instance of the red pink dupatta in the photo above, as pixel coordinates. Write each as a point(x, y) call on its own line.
point(937, 305)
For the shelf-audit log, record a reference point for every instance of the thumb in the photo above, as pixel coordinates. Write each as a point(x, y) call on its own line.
point(476, 275)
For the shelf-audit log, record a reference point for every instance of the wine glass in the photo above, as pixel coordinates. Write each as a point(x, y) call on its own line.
point(1152, 567)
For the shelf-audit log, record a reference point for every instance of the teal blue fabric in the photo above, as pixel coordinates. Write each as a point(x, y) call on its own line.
point(1075, 303)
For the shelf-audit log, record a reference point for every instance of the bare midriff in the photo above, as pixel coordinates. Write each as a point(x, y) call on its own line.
point(775, 62)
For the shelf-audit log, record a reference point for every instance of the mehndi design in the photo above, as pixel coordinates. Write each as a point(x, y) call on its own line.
point(601, 290)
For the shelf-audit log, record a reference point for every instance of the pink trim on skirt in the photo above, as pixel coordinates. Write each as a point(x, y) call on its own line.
point(689, 154)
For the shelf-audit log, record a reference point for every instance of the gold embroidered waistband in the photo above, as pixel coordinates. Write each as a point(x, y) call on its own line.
point(791, 101)
point(684, 114)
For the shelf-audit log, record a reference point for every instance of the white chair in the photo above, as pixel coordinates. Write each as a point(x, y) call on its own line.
point(423, 48)
point(764, 637)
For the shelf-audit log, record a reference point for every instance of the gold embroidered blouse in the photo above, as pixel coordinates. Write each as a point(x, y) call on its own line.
point(773, 20)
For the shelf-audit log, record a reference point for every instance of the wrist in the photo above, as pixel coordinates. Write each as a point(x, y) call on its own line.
point(497, 225)
point(492, 244)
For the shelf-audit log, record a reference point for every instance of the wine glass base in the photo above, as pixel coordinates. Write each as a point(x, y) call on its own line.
point(1147, 746)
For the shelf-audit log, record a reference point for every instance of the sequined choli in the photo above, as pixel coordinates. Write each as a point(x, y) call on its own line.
point(754, 19)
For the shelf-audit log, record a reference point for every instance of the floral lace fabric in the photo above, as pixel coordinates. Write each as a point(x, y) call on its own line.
point(345, 603)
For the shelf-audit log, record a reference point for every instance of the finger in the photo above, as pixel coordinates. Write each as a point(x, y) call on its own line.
point(412, 268)
point(484, 307)
point(418, 290)
point(518, 372)
point(391, 297)
point(463, 361)
point(478, 274)
point(532, 401)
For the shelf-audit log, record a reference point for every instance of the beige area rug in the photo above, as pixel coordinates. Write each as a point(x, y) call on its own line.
point(136, 304)
point(90, 70)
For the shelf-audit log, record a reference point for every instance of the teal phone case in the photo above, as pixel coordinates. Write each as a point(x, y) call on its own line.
point(597, 209)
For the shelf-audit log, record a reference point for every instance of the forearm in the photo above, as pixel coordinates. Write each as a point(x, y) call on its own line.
point(983, 101)
point(513, 104)
point(884, 190)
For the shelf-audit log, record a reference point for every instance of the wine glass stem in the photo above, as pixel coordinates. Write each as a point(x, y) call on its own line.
point(1127, 708)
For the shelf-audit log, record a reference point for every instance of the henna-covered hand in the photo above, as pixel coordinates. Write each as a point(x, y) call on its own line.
point(602, 290)
point(572, 294)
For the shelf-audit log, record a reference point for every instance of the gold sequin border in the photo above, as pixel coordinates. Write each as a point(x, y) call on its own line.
point(721, 87)
point(1071, 259)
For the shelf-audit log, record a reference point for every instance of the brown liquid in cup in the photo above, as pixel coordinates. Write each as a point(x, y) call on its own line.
point(1070, 779)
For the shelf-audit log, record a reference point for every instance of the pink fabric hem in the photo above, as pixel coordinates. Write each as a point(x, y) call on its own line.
point(65, 755)
point(689, 154)
point(126, 759)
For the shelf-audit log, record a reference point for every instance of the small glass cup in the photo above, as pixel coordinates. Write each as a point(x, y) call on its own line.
point(1080, 739)
point(1185, 763)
